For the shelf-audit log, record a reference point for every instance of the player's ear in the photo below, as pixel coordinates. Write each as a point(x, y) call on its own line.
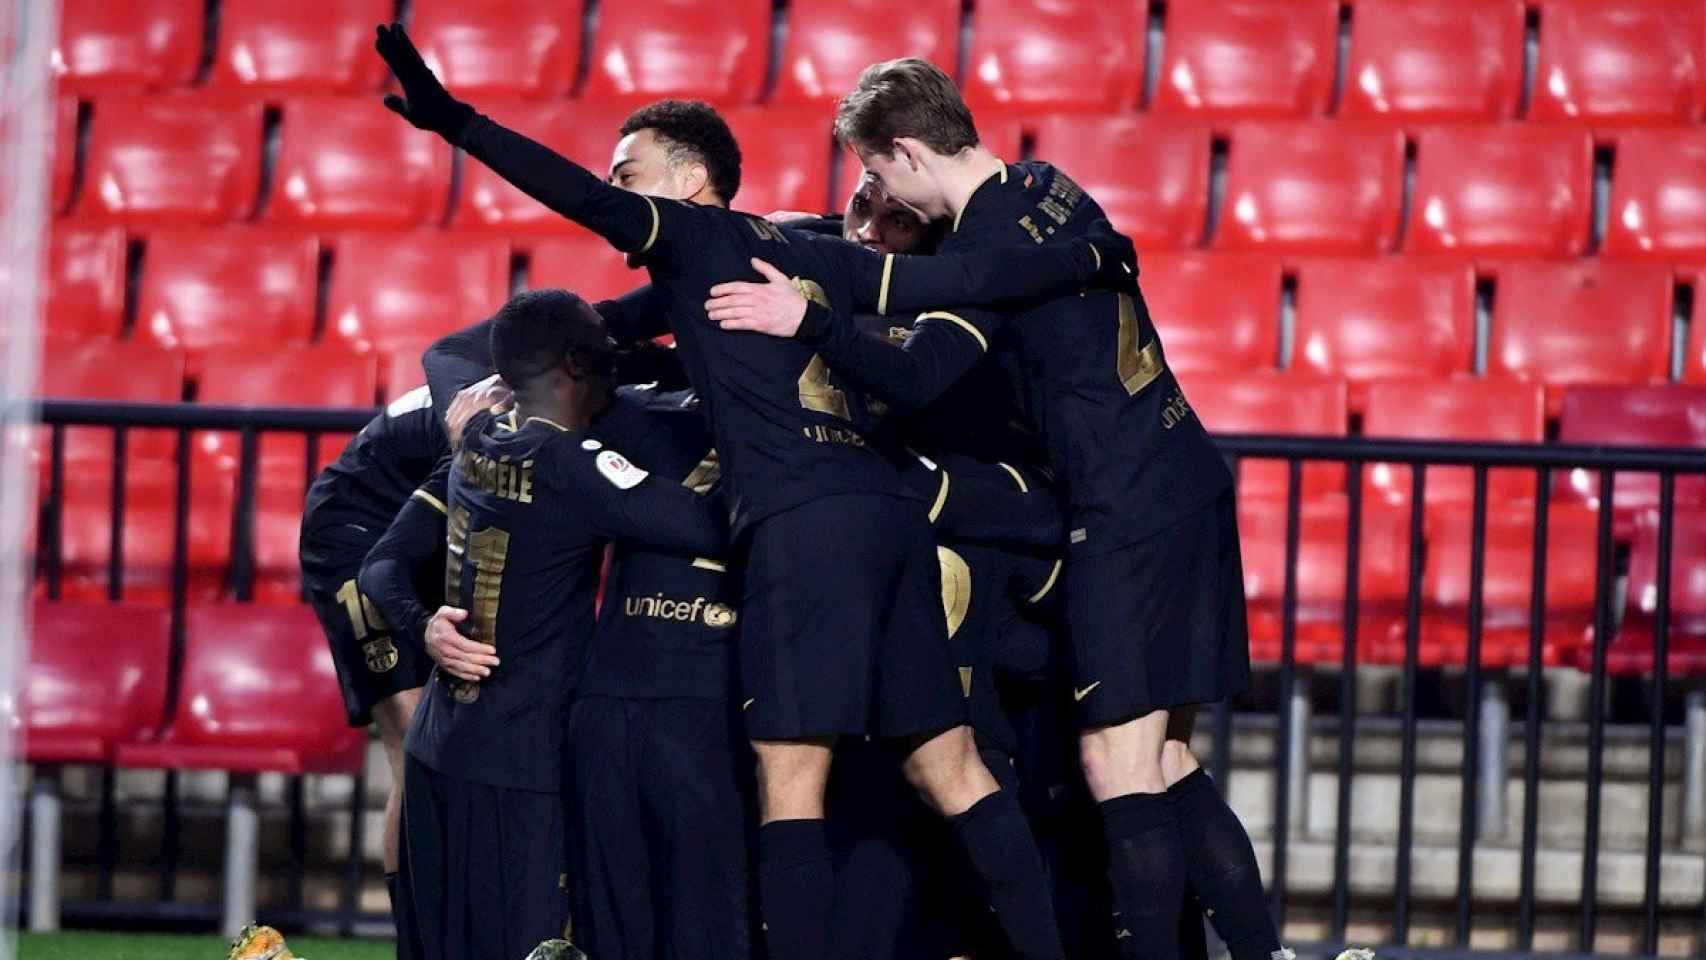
point(906, 149)
point(694, 178)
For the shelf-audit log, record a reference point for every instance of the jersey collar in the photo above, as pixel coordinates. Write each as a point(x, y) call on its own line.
point(999, 174)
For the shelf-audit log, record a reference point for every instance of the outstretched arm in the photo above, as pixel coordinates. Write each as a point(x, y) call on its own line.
point(632, 222)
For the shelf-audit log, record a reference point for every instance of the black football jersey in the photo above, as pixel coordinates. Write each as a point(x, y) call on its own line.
point(369, 482)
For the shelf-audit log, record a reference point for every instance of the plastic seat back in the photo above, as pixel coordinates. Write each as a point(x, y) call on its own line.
point(1249, 57)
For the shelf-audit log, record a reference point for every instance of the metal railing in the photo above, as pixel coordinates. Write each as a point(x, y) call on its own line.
point(1354, 453)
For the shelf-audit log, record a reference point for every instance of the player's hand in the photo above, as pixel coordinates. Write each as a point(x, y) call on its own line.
point(424, 103)
point(1112, 262)
point(775, 306)
point(455, 654)
point(489, 394)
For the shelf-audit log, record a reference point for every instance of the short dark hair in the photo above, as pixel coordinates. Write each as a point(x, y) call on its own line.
point(693, 130)
point(538, 331)
point(908, 97)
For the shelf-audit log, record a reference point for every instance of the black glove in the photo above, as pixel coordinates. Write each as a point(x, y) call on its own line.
point(424, 103)
point(1111, 259)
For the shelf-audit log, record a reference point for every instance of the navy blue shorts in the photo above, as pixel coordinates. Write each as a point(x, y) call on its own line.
point(480, 868)
point(842, 629)
point(372, 664)
point(658, 828)
point(1160, 623)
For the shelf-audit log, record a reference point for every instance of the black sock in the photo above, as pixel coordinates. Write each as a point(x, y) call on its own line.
point(1148, 870)
point(1222, 868)
point(796, 884)
point(997, 839)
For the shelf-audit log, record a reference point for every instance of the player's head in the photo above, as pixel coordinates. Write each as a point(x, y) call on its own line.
point(903, 117)
point(883, 223)
point(543, 339)
point(680, 149)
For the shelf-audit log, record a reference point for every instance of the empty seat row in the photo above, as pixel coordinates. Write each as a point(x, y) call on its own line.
point(1306, 186)
point(1598, 59)
point(202, 289)
point(344, 161)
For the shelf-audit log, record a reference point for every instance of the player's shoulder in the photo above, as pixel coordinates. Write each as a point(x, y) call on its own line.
point(589, 465)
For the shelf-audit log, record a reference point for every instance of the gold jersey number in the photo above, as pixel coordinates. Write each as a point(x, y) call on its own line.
point(363, 615)
point(484, 552)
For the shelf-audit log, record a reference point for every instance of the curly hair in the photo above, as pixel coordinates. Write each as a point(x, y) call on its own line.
point(541, 330)
point(692, 130)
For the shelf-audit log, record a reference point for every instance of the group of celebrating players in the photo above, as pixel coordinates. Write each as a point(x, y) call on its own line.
point(914, 490)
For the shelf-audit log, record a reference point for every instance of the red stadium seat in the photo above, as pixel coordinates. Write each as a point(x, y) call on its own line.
point(1633, 650)
point(784, 158)
point(285, 46)
point(64, 152)
point(584, 264)
point(1658, 195)
point(297, 377)
point(1383, 318)
point(84, 284)
point(584, 132)
point(346, 162)
point(254, 697)
point(1506, 593)
point(1150, 175)
point(172, 159)
point(400, 370)
point(1320, 187)
point(390, 289)
point(150, 509)
point(105, 45)
point(1620, 60)
point(1435, 61)
point(486, 47)
point(828, 44)
point(211, 288)
point(1382, 566)
point(95, 677)
point(710, 49)
point(1596, 321)
point(1214, 311)
point(1056, 54)
point(119, 371)
point(1249, 57)
point(1466, 408)
point(1652, 415)
point(1267, 401)
point(1510, 190)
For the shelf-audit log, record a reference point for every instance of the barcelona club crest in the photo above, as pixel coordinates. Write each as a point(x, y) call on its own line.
point(465, 693)
point(381, 654)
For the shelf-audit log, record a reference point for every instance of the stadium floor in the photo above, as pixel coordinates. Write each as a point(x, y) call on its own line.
point(133, 946)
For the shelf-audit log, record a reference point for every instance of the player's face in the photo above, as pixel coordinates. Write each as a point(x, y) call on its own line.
point(904, 180)
point(881, 222)
point(641, 163)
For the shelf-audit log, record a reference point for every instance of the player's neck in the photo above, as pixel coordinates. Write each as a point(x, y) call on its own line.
point(963, 173)
point(573, 406)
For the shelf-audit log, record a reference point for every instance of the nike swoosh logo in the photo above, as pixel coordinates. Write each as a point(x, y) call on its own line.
point(749, 703)
point(1081, 694)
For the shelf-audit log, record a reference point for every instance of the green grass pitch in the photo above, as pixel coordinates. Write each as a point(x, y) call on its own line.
point(131, 946)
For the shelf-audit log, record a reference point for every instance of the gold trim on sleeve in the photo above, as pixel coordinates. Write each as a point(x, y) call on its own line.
point(656, 222)
point(941, 498)
point(431, 501)
point(1048, 584)
point(963, 323)
point(883, 291)
point(704, 563)
point(1018, 477)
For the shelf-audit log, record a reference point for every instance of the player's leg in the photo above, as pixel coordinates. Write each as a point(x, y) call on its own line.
point(421, 886)
point(919, 697)
point(610, 892)
point(392, 716)
point(694, 820)
point(796, 876)
point(1224, 876)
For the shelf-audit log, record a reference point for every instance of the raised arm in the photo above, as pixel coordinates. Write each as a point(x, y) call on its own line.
point(943, 346)
point(631, 222)
point(455, 361)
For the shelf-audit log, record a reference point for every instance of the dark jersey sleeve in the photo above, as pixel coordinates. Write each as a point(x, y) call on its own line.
point(995, 504)
point(456, 360)
point(898, 283)
point(622, 501)
point(633, 223)
point(633, 317)
point(943, 346)
point(394, 565)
